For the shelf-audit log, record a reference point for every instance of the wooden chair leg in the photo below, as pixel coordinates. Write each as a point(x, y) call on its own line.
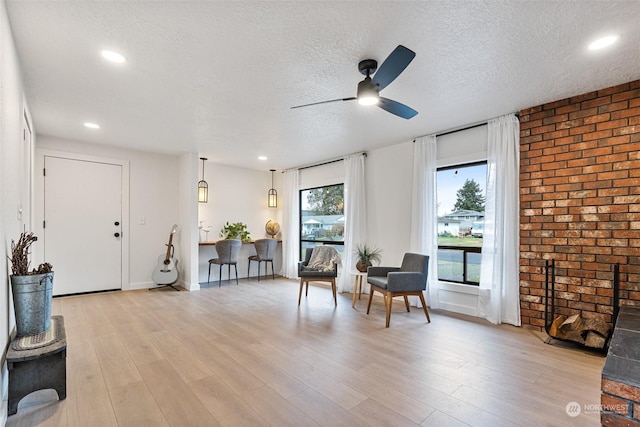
point(306, 292)
point(370, 299)
point(388, 302)
point(220, 276)
point(209, 275)
point(333, 289)
point(406, 303)
point(273, 275)
point(300, 293)
point(424, 306)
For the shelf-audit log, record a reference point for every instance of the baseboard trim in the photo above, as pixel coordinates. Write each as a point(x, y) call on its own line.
point(460, 309)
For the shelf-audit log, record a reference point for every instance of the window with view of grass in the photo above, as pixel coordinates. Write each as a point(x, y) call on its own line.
point(322, 217)
point(461, 198)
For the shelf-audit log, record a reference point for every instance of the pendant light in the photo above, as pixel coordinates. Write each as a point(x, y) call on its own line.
point(203, 187)
point(273, 194)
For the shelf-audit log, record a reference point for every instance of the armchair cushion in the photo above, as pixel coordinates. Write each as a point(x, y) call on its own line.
point(314, 273)
point(400, 281)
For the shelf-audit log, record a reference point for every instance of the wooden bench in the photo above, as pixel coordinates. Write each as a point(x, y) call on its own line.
point(38, 368)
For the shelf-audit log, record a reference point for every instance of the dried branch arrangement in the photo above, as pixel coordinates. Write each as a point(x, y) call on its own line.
point(20, 256)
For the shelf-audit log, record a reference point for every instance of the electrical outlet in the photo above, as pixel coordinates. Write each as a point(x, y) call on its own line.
point(141, 220)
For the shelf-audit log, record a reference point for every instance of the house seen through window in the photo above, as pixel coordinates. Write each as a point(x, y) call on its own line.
point(461, 193)
point(322, 217)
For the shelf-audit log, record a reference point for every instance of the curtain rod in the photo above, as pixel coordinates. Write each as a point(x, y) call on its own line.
point(472, 126)
point(449, 132)
point(328, 162)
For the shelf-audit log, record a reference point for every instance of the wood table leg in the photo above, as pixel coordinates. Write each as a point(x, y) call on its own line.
point(355, 289)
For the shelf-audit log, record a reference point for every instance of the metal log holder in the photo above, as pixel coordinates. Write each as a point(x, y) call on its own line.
point(550, 312)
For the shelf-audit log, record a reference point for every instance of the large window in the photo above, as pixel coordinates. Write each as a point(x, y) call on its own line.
point(322, 217)
point(461, 198)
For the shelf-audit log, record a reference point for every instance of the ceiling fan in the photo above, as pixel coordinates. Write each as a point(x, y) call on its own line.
point(369, 89)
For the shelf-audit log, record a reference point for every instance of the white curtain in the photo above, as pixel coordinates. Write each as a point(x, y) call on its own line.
point(424, 212)
point(290, 224)
point(355, 216)
point(499, 299)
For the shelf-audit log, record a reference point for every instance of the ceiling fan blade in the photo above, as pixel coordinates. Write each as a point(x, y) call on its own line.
point(391, 68)
point(394, 107)
point(325, 102)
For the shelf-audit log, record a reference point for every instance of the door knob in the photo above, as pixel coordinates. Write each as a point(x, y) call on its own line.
point(116, 234)
point(117, 223)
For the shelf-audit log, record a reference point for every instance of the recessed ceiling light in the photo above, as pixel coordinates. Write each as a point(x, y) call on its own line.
point(262, 158)
point(91, 125)
point(603, 42)
point(112, 56)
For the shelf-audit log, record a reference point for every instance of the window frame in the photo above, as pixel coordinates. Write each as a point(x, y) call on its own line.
point(317, 242)
point(465, 249)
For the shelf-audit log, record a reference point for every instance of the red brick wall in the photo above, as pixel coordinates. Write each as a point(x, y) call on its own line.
point(580, 201)
point(619, 404)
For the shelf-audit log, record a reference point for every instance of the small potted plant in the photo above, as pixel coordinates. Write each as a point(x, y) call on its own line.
point(236, 230)
point(31, 290)
point(366, 255)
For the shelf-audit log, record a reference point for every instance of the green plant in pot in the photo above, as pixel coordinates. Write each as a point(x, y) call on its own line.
point(236, 230)
point(366, 255)
point(31, 290)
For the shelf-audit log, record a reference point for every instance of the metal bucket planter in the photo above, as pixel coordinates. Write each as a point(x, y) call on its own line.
point(32, 297)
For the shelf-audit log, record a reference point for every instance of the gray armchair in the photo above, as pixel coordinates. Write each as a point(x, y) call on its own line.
point(228, 251)
point(307, 275)
point(408, 279)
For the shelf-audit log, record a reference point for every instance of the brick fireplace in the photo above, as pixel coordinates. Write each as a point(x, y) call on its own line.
point(580, 202)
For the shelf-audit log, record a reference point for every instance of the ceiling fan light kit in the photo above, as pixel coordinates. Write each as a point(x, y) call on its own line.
point(367, 92)
point(369, 89)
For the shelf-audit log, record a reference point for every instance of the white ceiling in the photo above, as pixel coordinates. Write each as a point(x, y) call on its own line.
point(219, 77)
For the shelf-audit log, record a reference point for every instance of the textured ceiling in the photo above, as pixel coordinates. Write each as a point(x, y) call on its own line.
point(219, 78)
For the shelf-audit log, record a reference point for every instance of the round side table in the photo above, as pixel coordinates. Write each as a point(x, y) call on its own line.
point(357, 285)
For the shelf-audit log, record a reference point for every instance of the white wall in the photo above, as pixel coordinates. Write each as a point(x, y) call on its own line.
point(388, 173)
point(154, 181)
point(188, 236)
point(12, 177)
point(237, 195)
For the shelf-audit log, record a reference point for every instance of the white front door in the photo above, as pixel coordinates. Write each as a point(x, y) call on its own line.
point(83, 224)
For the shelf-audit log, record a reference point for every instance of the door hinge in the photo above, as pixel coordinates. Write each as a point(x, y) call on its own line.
point(44, 223)
point(44, 172)
point(24, 134)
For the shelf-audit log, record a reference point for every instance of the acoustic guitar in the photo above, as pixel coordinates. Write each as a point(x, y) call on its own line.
point(166, 272)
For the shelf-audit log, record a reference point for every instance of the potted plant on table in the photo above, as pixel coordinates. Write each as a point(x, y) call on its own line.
point(366, 256)
point(31, 290)
point(236, 230)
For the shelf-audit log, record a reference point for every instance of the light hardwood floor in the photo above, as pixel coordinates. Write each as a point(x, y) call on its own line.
point(247, 355)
